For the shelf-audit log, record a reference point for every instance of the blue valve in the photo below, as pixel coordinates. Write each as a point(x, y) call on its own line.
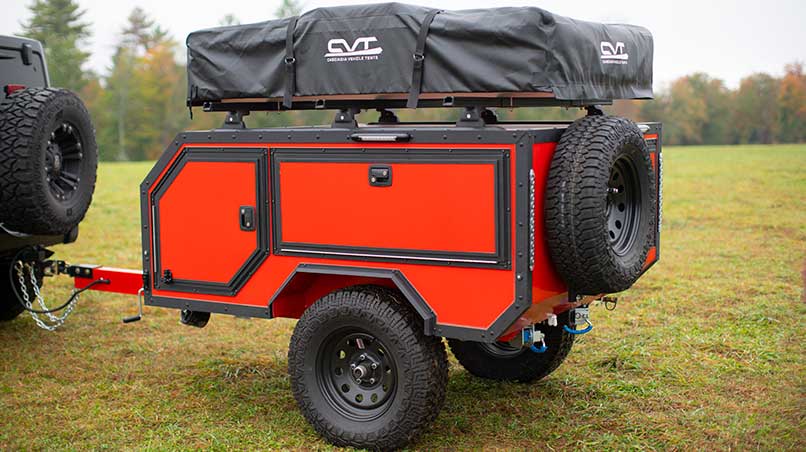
point(531, 336)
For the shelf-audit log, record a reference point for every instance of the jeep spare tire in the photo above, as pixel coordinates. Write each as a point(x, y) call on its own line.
point(600, 205)
point(48, 161)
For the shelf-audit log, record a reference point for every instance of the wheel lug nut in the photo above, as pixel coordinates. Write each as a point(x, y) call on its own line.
point(371, 381)
point(358, 380)
point(352, 366)
point(362, 357)
point(374, 366)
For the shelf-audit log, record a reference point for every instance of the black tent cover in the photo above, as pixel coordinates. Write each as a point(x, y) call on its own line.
point(404, 49)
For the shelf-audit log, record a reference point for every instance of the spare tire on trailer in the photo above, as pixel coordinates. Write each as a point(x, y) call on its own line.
point(600, 205)
point(48, 161)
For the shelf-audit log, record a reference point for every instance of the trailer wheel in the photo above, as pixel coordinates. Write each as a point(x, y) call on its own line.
point(362, 371)
point(48, 159)
point(504, 362)
point(600, 205)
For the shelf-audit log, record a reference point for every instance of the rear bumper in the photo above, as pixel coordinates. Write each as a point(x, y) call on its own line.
point(10, 243)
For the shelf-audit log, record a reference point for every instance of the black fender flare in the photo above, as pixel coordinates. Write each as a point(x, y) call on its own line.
point(395, 276)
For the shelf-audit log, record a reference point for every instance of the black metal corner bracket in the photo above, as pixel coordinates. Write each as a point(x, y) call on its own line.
point(345, 118)
point(234, 120)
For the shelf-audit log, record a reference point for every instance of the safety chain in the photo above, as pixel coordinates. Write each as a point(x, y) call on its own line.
point(55, 320)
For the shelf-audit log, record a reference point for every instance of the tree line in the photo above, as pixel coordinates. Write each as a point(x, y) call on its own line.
point(138, 104)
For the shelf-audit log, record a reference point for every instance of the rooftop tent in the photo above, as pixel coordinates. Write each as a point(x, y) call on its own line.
point(399, 51)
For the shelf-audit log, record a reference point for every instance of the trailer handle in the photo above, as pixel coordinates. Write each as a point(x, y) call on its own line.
point(381, 137)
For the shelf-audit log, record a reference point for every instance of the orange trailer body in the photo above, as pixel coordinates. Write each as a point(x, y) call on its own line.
point(263, 222)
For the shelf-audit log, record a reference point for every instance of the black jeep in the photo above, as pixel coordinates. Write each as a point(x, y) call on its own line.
point(48, 161)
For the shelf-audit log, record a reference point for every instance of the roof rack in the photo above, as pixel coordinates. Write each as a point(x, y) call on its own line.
point(398, 100)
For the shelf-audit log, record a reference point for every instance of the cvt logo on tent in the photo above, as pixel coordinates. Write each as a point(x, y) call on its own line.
point(613, 54)
point(361, 49)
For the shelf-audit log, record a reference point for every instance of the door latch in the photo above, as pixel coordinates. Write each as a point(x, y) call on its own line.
point(380, 175)
point(247, 218)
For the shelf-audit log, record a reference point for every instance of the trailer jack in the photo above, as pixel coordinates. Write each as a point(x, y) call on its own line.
point(139, 315)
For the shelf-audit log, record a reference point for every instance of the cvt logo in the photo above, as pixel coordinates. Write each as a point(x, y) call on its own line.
point(613, 54)
point(360, 48)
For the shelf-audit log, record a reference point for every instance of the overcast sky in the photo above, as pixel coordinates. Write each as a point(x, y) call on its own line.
point(727, 39)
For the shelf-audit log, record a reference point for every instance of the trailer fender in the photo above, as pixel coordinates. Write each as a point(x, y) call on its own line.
point(309, 282)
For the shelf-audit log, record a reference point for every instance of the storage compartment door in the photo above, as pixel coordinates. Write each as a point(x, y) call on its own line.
point(210, 220)
point(438, 206)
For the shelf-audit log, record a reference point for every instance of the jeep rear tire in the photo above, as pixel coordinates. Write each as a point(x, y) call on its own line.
point(362, 371)
point(48, 161)
point(504, 362)
point(600, 205)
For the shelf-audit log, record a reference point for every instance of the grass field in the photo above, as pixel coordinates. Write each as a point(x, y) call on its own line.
point(705, 352)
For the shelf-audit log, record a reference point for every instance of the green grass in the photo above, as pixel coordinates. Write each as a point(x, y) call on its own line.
point(705, 352)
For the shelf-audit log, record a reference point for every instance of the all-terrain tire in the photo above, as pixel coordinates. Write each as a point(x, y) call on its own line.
point(400, 395)
point(507, 363)
point(48, 161)
point(600, 205)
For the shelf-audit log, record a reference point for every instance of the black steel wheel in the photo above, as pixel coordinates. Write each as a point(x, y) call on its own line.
point(623, 205)
point(505, 362)
point(48, 161)
point(600, 208)
point(363, 372)
point(356, 374)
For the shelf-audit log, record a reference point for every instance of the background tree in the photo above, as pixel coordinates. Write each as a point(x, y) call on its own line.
point(715, 127)
point(144, 90)
point(229, 19)
point(288, 8)
point(792, 105)
point(58, 25)
point(684, 112)
point(755, 118)
point(138, 103)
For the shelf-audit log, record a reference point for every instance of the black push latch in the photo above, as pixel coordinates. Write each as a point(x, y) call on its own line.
point(247, 216)
point(167, 277)
point(380, 175)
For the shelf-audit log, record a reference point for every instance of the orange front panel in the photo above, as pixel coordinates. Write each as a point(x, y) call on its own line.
point(458, 294)
point(200, 238)
point(428, 206)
